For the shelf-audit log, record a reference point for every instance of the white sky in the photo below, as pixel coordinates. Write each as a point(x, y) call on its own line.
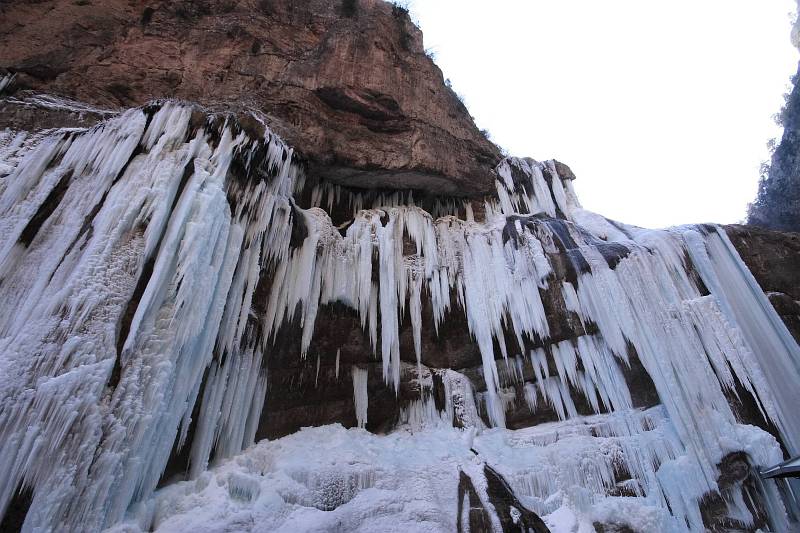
point(661, 108)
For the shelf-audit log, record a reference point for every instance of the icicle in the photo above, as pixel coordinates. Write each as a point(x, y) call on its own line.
point(746, 305)
point(360, 396)
point(6, 81)
point(140, 211)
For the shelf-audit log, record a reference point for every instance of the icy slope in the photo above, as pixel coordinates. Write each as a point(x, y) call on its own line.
point(147, 264)
point(332, 479)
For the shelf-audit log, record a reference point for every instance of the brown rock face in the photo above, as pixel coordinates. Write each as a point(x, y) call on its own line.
point(773, 257)
point(347, 83)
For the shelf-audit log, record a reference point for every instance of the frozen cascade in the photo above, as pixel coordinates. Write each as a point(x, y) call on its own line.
point(743, 302)
point(131, 256)
point(89, 416)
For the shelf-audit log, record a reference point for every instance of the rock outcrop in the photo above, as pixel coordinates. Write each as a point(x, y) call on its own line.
point(346, 83)
point(774, 259)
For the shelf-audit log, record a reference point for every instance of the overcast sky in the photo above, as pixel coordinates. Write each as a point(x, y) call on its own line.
point(663, 109)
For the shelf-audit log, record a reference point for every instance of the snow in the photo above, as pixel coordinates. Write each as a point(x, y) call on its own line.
point(321, 479)
point(330, 478)
point(147, 208)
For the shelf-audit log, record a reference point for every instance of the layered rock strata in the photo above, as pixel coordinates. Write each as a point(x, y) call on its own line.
point(347, 84)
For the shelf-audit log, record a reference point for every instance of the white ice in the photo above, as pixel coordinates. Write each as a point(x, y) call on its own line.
point(89, 420)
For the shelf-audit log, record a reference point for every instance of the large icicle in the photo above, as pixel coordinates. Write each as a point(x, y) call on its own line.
point(360, 396)
point(773, 352)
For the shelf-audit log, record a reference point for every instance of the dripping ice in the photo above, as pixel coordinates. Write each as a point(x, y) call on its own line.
point(172, 226)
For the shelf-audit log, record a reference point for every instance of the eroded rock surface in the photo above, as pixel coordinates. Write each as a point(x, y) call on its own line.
point(773, 258)
point(347, 83)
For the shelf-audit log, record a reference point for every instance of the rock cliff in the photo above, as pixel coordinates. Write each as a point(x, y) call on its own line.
point(777, 203)
point(347, 84)
point(774, 259)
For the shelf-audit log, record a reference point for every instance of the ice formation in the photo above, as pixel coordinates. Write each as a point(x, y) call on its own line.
point(130, 257)
point(5, 81)
point(360, 395)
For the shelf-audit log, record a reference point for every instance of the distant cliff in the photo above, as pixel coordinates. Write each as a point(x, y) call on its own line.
point(777, 205)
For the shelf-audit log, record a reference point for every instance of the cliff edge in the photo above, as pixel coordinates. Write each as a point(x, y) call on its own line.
point(347, 84)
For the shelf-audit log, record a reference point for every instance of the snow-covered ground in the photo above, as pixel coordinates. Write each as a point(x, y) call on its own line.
point(335, 479)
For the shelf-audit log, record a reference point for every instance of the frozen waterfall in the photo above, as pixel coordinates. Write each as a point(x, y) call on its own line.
point(133, 255)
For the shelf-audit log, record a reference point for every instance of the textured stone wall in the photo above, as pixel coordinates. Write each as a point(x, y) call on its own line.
point(348, 86)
